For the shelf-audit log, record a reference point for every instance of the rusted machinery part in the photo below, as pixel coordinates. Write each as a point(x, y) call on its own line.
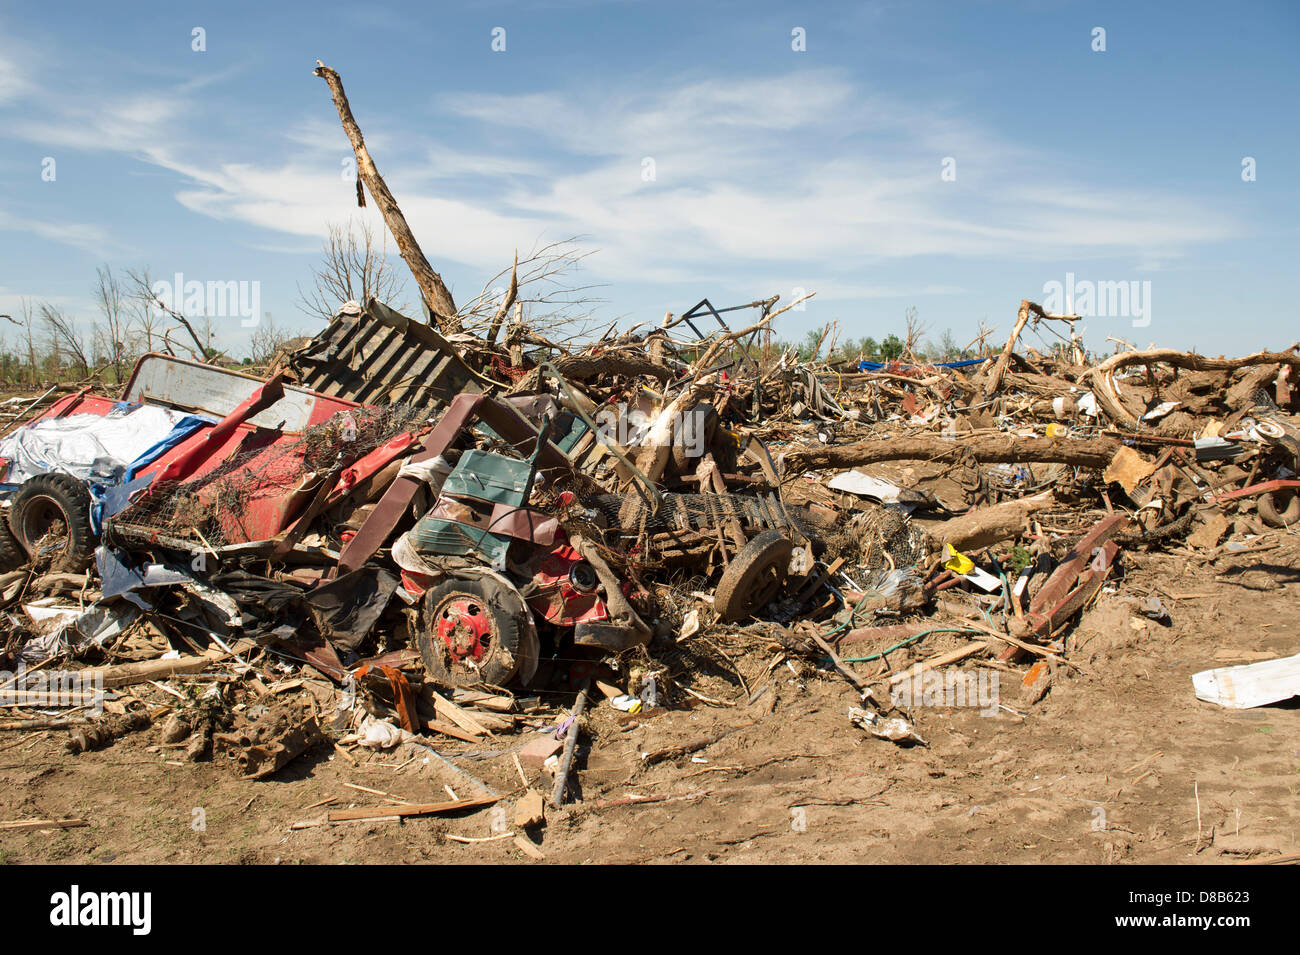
point(471, 632)
point(754, 577)
point(1280, 508)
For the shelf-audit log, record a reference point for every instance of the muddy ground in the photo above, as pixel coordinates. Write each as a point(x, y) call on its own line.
point(1108, 768)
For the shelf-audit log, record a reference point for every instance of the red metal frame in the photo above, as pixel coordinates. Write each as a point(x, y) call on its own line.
point(1255, 490)
point(208, 448)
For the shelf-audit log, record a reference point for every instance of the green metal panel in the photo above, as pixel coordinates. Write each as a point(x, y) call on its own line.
point(494, 478)
point(435, 535)
point(577, 428)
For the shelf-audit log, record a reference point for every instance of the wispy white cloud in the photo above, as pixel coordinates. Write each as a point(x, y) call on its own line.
point(83, 235)
point(140, 124)
point(806, 174)
point(13, 84)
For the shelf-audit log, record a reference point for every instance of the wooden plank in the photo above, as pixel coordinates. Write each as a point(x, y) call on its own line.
point(53, 697)
point(1291, 858)
point(1250, 685)
point(942, 659)
point(412, 809)
point(127, 674)
point(25, 825)
point(450, 711)
point(447, 730)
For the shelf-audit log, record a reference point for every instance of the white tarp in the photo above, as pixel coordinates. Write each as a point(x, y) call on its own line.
point(82, 444)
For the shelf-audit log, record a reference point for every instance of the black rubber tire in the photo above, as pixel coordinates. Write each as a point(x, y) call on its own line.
point(500, 662)
point(1279, 516)
point(44, 500)
point(12, 556)
point(754, 577)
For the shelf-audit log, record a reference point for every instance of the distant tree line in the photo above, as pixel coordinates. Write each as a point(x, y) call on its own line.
point(44, 343)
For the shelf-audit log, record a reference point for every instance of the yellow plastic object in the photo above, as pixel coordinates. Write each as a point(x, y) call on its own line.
point(1056, 431)
point(958, 562)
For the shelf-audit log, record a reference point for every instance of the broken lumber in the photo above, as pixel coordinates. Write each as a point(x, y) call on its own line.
point(411, 809)
point(989, 525)
point(26, 825)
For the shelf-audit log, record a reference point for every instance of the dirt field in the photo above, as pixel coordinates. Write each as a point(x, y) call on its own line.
point(1108, 767)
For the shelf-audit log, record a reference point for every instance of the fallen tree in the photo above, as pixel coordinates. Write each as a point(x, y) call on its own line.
point(581, 367)
point(985, 526)
point(984, 448)
point(1103, 384)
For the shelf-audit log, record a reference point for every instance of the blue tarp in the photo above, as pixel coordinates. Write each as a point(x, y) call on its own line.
point(180, 431)
point(877, 365)
point(106, 504)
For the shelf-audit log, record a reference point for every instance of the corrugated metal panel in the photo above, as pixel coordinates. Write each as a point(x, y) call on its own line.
point(382, 357)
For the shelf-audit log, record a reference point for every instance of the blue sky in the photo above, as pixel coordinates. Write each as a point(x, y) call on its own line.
point(775, 169)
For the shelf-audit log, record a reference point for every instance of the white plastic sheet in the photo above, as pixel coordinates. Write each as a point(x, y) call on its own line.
point(85, 444)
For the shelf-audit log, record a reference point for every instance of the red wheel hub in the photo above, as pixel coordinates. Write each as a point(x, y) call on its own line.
point(464, 626)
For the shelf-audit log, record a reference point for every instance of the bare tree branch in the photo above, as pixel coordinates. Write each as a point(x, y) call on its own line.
point(145, 294)
point(541, 283)
point(354, 268)
point(112, 337)
point(64, 334)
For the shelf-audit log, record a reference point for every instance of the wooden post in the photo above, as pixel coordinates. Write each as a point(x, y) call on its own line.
point(570, 746)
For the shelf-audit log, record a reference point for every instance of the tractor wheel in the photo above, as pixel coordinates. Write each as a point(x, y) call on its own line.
point(754, 577)
point(470, 634)
point(50, 519)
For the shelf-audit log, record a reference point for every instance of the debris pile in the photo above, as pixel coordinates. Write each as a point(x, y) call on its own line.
point(412, 539)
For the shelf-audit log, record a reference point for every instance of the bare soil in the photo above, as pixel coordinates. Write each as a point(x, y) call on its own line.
point(1119, 763)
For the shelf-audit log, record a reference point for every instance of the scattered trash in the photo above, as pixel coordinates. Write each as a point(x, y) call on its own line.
point(450, 528)
point(893, 728)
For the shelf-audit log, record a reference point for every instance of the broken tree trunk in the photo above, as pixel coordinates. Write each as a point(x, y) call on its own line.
point(989, 525)
point(582, 367)
point(657, 446)
point(1103, 387)
point(436, 296)
point(506, 304)
point(984, 448)
point(999, 369)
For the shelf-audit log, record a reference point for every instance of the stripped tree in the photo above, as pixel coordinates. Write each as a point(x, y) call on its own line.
point(437, 298)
